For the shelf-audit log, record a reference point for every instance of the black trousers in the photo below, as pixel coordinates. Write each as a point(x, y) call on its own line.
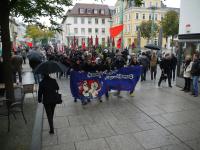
point(153, 72)
point(168, 77)
point(173, 73)
point(187, 84)
point(49, 108)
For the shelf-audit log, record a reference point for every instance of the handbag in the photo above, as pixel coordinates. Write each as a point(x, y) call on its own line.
point(58, 98)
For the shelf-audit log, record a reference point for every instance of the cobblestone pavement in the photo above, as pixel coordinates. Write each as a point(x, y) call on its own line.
point(155, 119)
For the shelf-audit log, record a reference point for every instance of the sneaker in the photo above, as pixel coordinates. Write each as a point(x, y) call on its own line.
point(51, 132)
point(75, 100)
point(84, 103)
point(132, 94)
point(195, 95)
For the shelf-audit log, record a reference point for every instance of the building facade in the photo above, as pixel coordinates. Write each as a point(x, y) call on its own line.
point(84, 21)
point(133, 16)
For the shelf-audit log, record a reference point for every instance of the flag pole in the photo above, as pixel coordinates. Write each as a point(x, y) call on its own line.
point(121, 22)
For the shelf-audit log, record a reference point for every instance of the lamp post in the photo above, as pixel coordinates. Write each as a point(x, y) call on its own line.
point(68, 33)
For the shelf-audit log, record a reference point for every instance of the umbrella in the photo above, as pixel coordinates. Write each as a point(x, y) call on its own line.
point(152, 46)
point(50, 67)
point(35, 55)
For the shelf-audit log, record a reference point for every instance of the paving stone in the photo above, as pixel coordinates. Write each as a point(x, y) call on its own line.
point(80, 120)
point(153, 139)
point(99, 130)
point(71, 134)
point(122, 127)
point(68, 146)
point(97, 144)
point(124, 142)
point(161, 120)
point(184, 132)
point(49, 139)
point(195, 144)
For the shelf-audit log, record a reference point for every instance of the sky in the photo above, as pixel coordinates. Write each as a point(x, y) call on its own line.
point(169, 3)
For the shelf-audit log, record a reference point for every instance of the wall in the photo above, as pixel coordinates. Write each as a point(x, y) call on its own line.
point(189, 14)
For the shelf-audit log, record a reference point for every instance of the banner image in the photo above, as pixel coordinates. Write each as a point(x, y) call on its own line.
point(87, 85)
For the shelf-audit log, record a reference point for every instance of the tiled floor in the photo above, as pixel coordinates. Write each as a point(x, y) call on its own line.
point(155, 119)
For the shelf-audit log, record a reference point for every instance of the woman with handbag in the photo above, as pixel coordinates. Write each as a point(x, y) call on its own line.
point(47, 94)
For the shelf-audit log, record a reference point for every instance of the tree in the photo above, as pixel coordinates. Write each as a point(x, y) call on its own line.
point(31, 11)
point(145, 29)
point(38, 34)
point(170, 24)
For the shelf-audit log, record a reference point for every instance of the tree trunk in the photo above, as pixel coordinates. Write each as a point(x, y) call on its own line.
point(6, 48)
point(172, 43)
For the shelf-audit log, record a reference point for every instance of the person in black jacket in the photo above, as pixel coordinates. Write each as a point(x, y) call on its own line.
point(173, 66)
point(195, 71)
point(46, 94)
point(165, 66)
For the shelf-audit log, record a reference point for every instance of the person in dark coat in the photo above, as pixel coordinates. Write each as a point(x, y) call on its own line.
point(173, 66)
point(165, 66)
point(46, 95)
point(144, 61)
point(16, 62)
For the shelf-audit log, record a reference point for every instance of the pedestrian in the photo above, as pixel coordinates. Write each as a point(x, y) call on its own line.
point(195, 71)
point(187, 73)
point(153, 66)
point(23, 53)
point(144, 61)
point(47, 95)
point(165, 66)
point(16, 62)
point(173, 66)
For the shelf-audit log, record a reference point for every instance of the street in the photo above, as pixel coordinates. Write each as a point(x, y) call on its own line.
point(155, 119)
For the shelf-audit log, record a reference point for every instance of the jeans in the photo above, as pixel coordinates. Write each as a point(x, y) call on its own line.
point(195, 84)
point(187, 84)
point(153, 72)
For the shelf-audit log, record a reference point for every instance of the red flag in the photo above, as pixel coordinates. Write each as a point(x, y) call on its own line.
point(83, 44)
point(96, 41)
point(91, 41)
point(114, 31)
point(119, 43)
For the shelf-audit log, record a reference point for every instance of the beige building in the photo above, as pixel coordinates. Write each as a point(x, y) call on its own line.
point(133, 17)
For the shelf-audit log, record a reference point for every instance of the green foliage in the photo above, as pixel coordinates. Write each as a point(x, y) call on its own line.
point(33, 10)
point(170, 23)
point(145, 29)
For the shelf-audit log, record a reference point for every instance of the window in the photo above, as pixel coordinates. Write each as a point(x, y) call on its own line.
point(129, 17)
point(82, 11)
point(103, 21)
point(137, 28)
point(82, 30)
point(143, 17)
point(89, 20)
point(128, 28)
point(75, 30)
point(150, 4)
point(103, 31)
point(96, 30)
point(156, 4)
point(137, 16)
point(89, 30)
point(96, 21)
point(95, 11)
point(143, 4)
point(82, 20)
point(149, 16)
point(89, 11)
point(156, 16)
point(102, 11)
point(75, 20)
point(162, 17)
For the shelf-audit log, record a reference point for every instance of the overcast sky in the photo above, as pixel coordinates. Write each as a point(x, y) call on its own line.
point(169, 3)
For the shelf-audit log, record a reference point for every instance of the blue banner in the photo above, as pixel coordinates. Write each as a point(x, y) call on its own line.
point(87, 85)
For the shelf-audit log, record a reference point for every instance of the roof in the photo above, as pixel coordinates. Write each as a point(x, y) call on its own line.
point(75, 11)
